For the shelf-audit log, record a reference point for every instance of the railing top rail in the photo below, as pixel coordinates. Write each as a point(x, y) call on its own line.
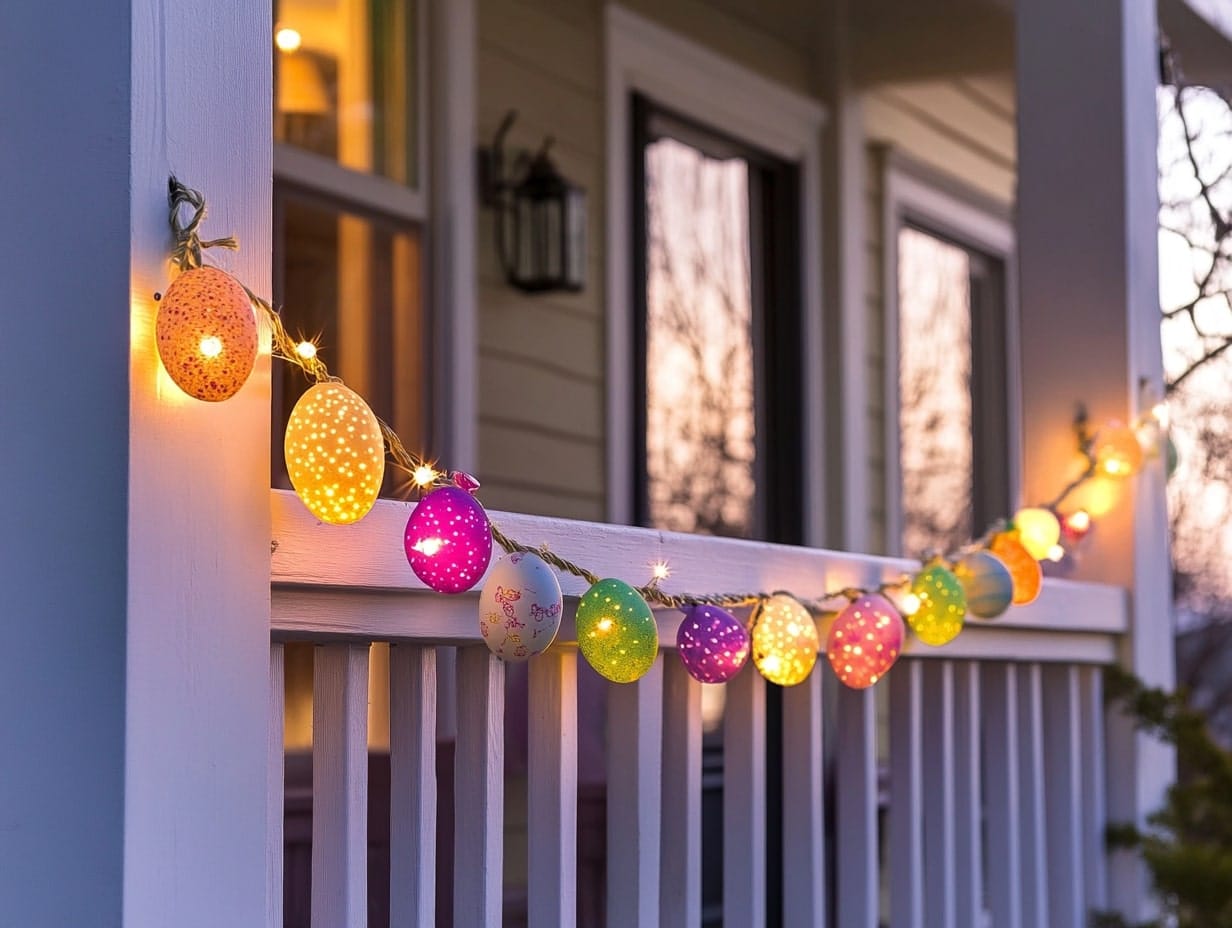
point(355, 581)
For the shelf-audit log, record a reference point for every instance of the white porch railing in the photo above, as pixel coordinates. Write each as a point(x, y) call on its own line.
point(995, 749)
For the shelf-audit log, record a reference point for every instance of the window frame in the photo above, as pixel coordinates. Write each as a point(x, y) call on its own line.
point(920, 197)
point(680, 75)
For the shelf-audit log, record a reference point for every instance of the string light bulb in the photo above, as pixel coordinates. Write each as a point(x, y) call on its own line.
point(616, 631)
point(1056, 554)
point(785, 640)
point(335, 453)
point(206, 334)
point(288, 40)
point(424, 476)
point(1076, 524)
point(1117, 451)
point(659, 571)
point(306, 350)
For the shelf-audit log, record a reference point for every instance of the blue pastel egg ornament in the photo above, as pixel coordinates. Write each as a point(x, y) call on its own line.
point(987, 583)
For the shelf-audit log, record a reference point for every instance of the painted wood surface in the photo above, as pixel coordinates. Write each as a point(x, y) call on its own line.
point(412, 785)
point(634, 799)
point(938, 794)
point(552, 781)
point(479, 789)
point(744, 802)
point(857, 865)
point(275, 780)
point(999, 711)
point(804, 866)
point(906, 788)
point(340, 786)
point(680, 894)
point(1063, 760)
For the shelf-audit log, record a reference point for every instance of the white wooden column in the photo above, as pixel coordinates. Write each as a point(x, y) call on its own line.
point(552, 780)
point(198, 652)
point(1088, 265)
point(1063, 759)
point(634, 767)
point(906, 796)
point(968, 796)
point(681, 891)
point(275, 787)
point(938, 796)
point(999, 711)
point(479, 789)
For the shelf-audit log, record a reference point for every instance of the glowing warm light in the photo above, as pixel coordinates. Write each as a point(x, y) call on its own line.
point(616, 631)
point(306, 350)
point(865, 641)
point(288, 40)
point(1159, 412)
point(1078, 523)
point(335, 453)
point(520, 607)
point(785, 640)
point(943, 605)
point(987, 583)
point(448, 540)
point(1118, 452)
point(429, 546)
point(713, 645)
point(1056, 554)
point(661, 571)
point(207, 334)
point(424, 476)
point(1038, 530)
point(1024, 569)
point(911, 604)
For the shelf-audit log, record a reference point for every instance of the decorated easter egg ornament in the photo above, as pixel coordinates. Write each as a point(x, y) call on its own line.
point(713, 645)
point(1039, 530)
point(938, 618)
point(616, 631)
point(335, 453)
point(448, 540)
point(986, 582)
point(785, 640)
point(865, 641)
point(520, 607)
point(207, 333)
point(1024, 569)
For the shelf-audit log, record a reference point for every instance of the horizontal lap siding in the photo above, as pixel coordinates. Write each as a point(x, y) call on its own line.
point(963, 128)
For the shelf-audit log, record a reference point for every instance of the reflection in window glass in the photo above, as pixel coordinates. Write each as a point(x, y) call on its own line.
point(935, 405)
point(352, 283)
point(345, 82)
point(700, 415)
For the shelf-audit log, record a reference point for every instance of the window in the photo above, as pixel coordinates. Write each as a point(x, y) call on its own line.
point(349, 207)
point(952, 397)
point(717, 333)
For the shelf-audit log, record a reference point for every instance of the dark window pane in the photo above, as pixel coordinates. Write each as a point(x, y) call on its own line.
point(700, 414)
point(352, 283)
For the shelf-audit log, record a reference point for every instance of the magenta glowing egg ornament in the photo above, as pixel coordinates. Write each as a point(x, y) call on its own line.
point(712, 643)
point(865, 641)
point(448, 540)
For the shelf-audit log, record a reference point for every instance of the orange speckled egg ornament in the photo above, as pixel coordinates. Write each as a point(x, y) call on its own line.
point(207, 334)
point(1024, 569)
point(335, 453)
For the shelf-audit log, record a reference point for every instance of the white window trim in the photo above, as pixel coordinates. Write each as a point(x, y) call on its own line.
point(938, 203)
point(679, 74)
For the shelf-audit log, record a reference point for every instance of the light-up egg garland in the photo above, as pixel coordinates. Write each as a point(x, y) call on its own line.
point(785, 640)
point(207, 334)
point(940, 605)
point(448, 540)
point(713, 645)
point(986, 583)
point(865, 641)
point(1023, 568)
point(520, 607)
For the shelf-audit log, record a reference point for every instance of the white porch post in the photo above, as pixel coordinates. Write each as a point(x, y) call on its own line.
point(1087, 214)
point(198, 488)
point(64, 103)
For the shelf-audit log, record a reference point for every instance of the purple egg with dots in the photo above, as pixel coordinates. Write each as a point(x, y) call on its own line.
point(449, 540)
point(712, 643)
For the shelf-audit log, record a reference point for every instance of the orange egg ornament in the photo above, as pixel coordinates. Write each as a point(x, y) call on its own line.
point(207, 334)
point(1024, 569)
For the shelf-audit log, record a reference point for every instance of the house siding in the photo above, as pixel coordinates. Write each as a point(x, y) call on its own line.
point(964, 128)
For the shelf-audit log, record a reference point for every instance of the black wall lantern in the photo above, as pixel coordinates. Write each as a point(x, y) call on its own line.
point(540, 221)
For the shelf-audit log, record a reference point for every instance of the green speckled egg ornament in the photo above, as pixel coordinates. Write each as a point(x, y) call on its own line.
point(616, 631)
point(943, 604)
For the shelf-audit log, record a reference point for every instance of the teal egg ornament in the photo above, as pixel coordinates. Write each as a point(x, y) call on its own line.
point(987, 582)
point(616, 631)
